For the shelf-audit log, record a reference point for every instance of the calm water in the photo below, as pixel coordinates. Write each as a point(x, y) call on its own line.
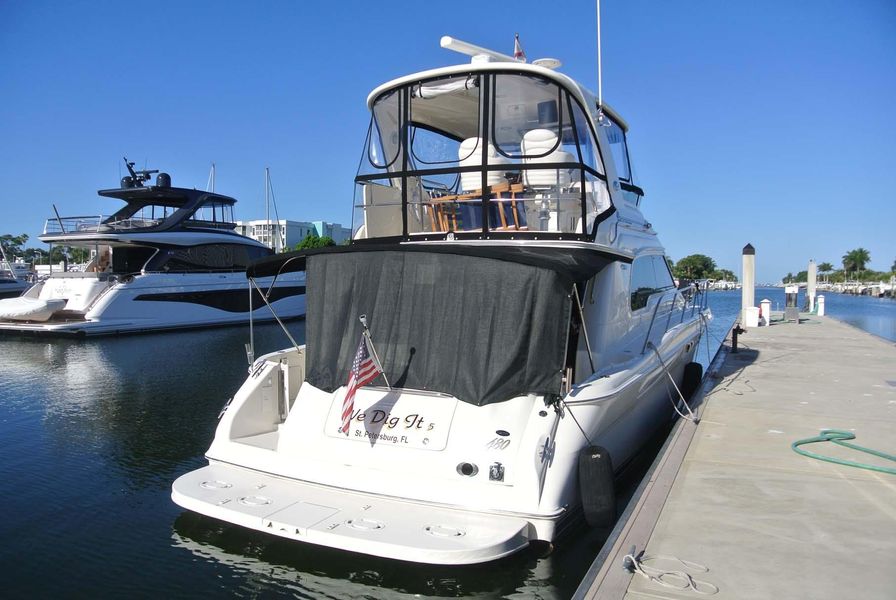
point(93, 432)
point(874, 315)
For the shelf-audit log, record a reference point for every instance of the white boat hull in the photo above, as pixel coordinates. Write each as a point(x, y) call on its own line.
point(369, 524)
point(410, 481)
point(92, 305)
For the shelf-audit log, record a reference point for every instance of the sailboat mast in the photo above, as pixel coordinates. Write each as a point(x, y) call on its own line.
point(267, 207)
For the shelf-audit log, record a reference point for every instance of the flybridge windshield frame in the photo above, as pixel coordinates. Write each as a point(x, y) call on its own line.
point(485, 190)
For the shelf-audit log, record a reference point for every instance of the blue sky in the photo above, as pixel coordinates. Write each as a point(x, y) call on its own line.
point(766, 122)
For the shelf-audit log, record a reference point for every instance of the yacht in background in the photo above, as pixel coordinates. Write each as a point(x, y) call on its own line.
point(168, 259)
point(11, 283)
point(520, 307)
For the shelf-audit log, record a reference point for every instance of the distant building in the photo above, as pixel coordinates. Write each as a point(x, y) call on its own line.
point(336, 231)
point(283, 235)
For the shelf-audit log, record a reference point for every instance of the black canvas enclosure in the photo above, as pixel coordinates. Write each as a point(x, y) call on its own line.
point(481, 329)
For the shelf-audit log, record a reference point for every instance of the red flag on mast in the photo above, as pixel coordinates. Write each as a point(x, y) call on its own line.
point(518, 49)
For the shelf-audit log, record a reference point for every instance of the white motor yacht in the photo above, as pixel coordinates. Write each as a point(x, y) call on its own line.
point(168, 259)
point(531, 338)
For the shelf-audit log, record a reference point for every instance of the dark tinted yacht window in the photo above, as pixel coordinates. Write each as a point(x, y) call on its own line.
point(650, 274)
point(209, 257)
point(130, 259)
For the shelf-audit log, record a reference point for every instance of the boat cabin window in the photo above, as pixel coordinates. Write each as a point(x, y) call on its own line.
point(616, 137)
point(215, 214)
point(650, 275)
point(139, 216)
point(130, 259)
point(207, 257)
point(494, 154)
point(622, 160)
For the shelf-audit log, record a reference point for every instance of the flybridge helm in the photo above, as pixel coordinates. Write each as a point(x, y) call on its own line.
point(495, 149)
point(137, 178)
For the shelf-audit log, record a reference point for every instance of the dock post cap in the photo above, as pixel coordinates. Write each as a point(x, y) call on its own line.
point(749, 249)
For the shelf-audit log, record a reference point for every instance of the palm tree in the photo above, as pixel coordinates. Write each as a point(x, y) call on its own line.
point(855, 260)
point(824, 268)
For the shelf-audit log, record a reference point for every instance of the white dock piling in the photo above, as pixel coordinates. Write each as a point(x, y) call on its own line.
point(748, 279)
point(765, 307)
point(810, 287)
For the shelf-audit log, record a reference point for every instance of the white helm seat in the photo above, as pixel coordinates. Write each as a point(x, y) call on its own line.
point(540, 146)
point(470, 155)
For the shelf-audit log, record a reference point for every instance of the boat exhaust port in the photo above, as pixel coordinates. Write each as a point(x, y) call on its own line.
point(467, 469)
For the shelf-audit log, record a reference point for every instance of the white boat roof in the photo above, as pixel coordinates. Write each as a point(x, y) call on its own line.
point(583, 94)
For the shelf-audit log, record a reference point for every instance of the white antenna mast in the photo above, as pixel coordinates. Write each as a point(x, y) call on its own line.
point(600, 88)
point(210, 184)
point(267, 207)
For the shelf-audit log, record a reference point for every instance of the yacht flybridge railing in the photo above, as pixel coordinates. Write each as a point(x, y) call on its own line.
point(686, 302)
point(96, 224)
point(87, 224)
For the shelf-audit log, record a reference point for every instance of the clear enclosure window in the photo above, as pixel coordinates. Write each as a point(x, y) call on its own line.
point(383, 137)
point(536, 168)
point(587, 145)
point(524, 104)
point(618, 148)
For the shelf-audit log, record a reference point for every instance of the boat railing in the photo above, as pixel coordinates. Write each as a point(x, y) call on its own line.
point(686, 302)
point(85, 224)
point(95, 224)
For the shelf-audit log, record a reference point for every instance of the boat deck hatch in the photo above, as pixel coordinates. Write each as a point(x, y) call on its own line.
point(346, 520)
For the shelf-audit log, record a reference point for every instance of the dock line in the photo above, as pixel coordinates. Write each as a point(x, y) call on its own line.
point(634, 563)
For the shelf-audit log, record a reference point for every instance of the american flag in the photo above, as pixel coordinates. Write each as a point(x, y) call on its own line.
point(364, 370)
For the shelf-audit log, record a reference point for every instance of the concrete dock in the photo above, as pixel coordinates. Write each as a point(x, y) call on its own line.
point(731, 495)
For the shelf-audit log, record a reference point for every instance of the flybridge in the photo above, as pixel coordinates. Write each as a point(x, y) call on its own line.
point(502, 150)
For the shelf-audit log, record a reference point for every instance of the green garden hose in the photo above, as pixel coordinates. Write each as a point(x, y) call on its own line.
point(839, 437)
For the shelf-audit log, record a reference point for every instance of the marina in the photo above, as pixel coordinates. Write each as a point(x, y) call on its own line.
point(95, 430)
point(525, 368)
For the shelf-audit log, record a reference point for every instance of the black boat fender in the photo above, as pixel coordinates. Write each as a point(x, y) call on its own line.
point(596, 486)
point(690, 381)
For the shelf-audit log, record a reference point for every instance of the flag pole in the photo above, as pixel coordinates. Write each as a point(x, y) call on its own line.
point(376, 357)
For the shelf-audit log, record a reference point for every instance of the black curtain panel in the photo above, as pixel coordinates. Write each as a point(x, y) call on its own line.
point(481, 329)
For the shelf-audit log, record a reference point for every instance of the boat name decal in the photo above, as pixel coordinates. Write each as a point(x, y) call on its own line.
point(413, 421)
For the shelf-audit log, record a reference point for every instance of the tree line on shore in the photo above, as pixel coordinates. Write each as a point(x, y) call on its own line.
point(699, 266)
point(853, 262)
point(14, 246)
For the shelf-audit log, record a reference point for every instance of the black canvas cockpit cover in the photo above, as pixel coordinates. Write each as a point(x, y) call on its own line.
point(480, 329)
